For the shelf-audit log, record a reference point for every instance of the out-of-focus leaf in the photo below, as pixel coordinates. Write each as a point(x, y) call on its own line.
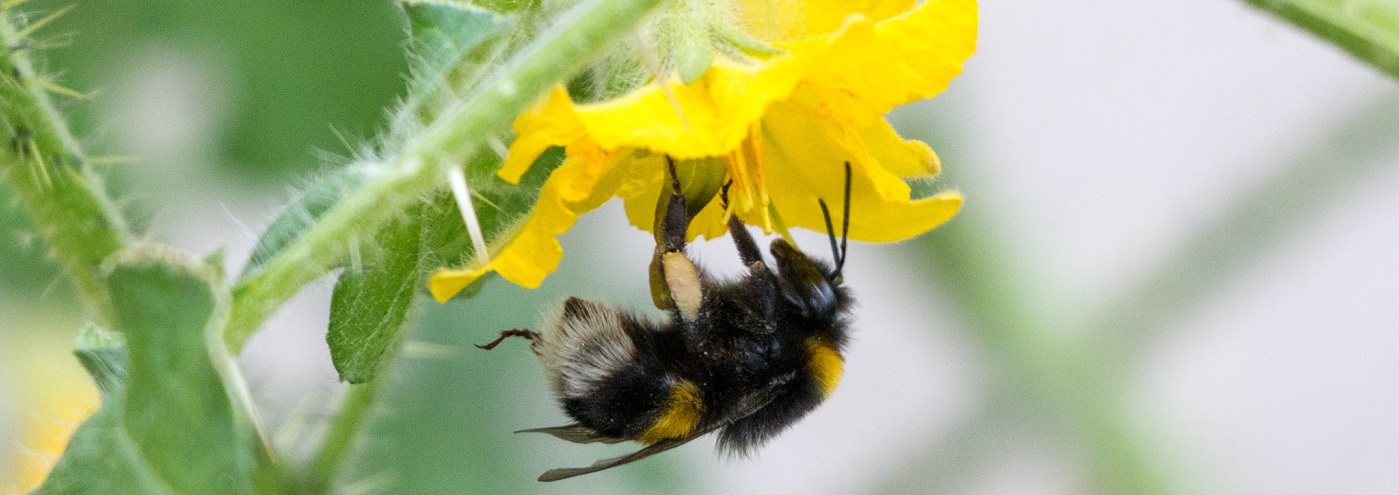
point(174, 424)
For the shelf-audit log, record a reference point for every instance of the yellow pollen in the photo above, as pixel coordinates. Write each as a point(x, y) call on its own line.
point(680, 415)
point(825, 364)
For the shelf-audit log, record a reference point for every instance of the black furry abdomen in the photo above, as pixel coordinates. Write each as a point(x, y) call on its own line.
point(793, 400)
point(624, 405)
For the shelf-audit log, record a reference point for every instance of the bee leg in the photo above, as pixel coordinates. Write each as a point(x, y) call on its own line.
point(677, 220)
point(514, 332)
point(748, 250)
point(672, 272)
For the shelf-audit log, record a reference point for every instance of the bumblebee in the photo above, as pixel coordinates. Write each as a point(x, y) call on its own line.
point(746, 358)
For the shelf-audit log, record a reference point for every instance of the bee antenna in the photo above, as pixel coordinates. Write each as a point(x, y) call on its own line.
point(838, 251)
point(845, 222)
point(831, 233)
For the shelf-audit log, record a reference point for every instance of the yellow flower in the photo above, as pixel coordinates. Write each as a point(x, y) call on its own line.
point(59, 395)
point(783, 126)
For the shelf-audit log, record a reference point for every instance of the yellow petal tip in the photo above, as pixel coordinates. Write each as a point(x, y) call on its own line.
point(447, 282)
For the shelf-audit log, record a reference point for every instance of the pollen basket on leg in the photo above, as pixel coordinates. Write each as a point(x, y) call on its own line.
point(683, 279)
point(680, 415)
point(582, 345)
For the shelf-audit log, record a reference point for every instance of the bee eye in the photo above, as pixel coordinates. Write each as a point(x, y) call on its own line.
point(822, 299)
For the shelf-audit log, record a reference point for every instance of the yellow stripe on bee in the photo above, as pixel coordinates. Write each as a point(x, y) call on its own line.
point(679, 417)
point(825, 364)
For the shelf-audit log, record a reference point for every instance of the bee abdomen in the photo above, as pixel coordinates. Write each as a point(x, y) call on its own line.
point(641, 404)
point(825, 365)
point(678, 416)
point(794, 398)
point(584, 345)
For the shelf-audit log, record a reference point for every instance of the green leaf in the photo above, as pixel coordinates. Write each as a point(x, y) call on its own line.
point(693, 55)
point(178, 425)
point(506, 6)
point(500, 207)
point(315, 201)
point(371, 303)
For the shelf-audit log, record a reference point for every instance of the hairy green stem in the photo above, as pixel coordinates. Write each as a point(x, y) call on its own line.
point(1367, 29)
point(455, 135)
point(47, 170)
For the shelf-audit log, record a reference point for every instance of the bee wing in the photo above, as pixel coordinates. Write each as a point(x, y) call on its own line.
point(648, 451)
point(575, 433)
point(748, 406)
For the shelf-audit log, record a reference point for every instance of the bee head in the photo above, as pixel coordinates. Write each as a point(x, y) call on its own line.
point(813, 286)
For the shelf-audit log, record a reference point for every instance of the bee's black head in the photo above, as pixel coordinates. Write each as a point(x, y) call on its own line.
point(811, 286)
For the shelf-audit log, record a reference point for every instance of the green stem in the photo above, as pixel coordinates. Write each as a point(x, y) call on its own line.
point(48, 172)
point(341, 434)
point(1077, 381)
point(455, 135)
point(1367, 29)
point(1340, 161)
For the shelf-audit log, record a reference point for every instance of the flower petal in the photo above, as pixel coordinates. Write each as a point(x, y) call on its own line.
point(712, 117)
point(859, 72)
point(447, 282)
point(804, 153)
point(869, 68)
point(713, 114)
point(551, 122)
point(579, 185)
point(776, 21)
point(903, 157)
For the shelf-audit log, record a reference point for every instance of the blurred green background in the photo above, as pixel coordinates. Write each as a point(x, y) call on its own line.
point(1175, 270)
